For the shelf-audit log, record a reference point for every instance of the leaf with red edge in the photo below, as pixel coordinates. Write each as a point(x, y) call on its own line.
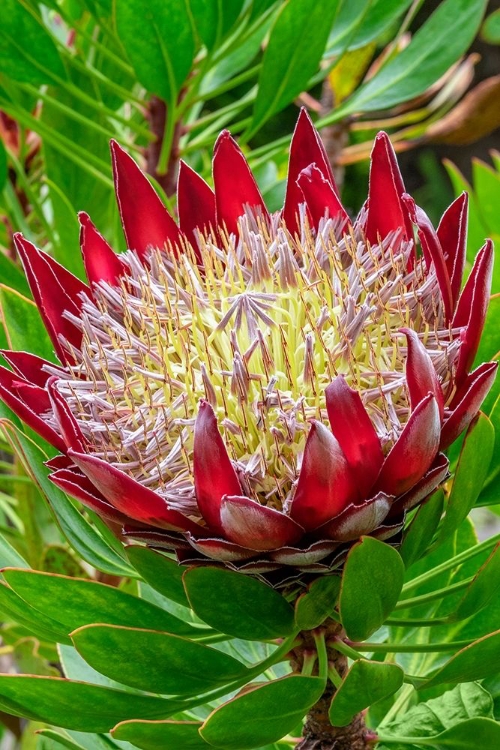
point(145, 220)
point(235, 185)
point(351, 425)
point(386, 212)
point(169, 735)
point(195, 204)
point(131, 498)
point(452, 234)
point(319, 195)
point(421, 375)
point(325, 486)
point(255, 526)
point(100, 260)
point(214, 475)
point(413, 452)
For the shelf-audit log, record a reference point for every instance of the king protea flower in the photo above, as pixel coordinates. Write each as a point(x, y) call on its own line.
point(258, 389)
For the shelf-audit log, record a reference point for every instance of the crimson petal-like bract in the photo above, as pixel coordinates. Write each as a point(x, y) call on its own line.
point(250, 524)
point(30, 366)
point(81, 488)
point(319, 195)
point(145, 219)
point(100, 261)
point(355, 433)
point(452, 235)
point(414, 450)
point(235, 185)
point(421, 375)
point(214, 475)
point(466, 403)
point(325, 486)
point(195, 204)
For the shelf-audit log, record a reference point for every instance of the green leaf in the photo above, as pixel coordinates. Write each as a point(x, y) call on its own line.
point(365, 683)
point(25, 329)
point(58, 739)
point(453, 708)
point(167, 735)
point(15, 608)
point(471, 471)
point(490, 494)
point(418, 536)
point(162, 53)
point(27, 51)
point(77, 705)
point(213, 18)
point(473, 662)
point(75, 602)
point(9, 557)
point(12, 276)
point(3, 171)
point(237, 604)
point(371, 583)
point(292, 57)
point(491, 28)
point(313, 607)
point(262, 715)
point(162, 573)
point(468, 735)
point(381, 15)
point(484, 588)
point(138, 658)
point(439, 43)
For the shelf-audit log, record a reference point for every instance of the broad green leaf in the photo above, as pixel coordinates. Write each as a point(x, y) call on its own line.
point(491, 28)
point(468, 735)
point(484, 588)
point(214, 18)
point(162, 573)
point(9, 557)
point(167, 735)
point(371, 584)
point(139, 658)
point(162, 52)
point(418, 536)
point(490, 494)
point(439, 43)
point(379, 16)
point(431, 718)
point(56, 740)
point(474, 662)
point(75, 602)
point(262, 715)
point(365, 683)
point(15, 608)
point(237, 604)
point(486, 183)
point(471, 471)
point(74, 667)
point(319, 601)
point(291, 56)
point(77, 705)
point(3, 169)
point(12, 276)
point(25, 329)
point(27, 50)
point(350, 17)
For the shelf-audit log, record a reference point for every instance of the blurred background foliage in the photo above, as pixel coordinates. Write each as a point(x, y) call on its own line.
point(163, 77)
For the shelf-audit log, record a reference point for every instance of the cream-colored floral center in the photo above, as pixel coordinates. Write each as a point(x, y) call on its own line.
point(259, 332)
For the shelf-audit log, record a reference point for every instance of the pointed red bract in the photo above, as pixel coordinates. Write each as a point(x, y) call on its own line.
point(325, 485)
point(29, 366)
point(146, 221)
point(355, 433)
point(452, 235)
point(235, 185)
point(356, 520)
point(249, 524)
point(306, 148)
point(429, 482)
point(100, 261)
point(56, 291)
point(467, 402)
point(78, 486)
point(386, 213)
point(421, 375)
point(414, 450)
point(214, 475)
point(131, 498)
point(29, 402)
point(195, 204)
point(68, 426)
point(319, 196)
point(221, 549)
point(433, 252)
point(472, 308)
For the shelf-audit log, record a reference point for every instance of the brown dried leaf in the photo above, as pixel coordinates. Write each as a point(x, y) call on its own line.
point(477, 115)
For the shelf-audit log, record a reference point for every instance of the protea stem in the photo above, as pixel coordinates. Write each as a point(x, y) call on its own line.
point(318, 733)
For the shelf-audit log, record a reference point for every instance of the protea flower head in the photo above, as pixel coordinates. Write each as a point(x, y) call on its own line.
point(251, 389)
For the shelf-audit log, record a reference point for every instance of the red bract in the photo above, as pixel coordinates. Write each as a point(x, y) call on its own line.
point(251, 389)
